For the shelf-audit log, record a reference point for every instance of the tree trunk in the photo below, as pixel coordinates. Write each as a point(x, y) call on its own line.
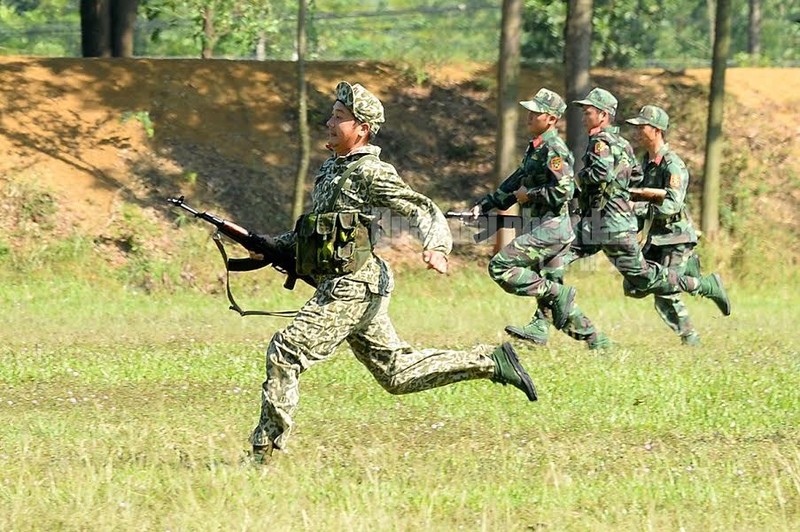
point(711, 29)
point(716, 98)
point(261, 46)
point(508, 100)
point(302, 118)
point(96, 28)
point(123, 24)
point(578, 61)
point(208, 33)
point(754, 28)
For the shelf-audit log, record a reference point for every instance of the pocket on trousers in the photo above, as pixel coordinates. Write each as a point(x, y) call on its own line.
point(347, 290)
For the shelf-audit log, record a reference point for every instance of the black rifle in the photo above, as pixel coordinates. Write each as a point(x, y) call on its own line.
point(488, 224)
point(262, 245)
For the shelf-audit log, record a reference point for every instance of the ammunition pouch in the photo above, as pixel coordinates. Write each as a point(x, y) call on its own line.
point(332, 242)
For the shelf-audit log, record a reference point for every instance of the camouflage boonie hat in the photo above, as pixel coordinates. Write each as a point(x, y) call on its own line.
point(545, 101)
point(364, 105)
point(652, 116)
point(600, 98)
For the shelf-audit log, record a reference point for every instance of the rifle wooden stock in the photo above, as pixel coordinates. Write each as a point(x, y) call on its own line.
point(652, 195)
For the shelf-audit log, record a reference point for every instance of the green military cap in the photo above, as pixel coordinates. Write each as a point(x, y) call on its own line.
point(364, 105)
point(653, 116)
point(600, 98)
point(545, 101)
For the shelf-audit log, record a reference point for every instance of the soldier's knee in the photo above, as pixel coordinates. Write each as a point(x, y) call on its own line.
point(631, 291)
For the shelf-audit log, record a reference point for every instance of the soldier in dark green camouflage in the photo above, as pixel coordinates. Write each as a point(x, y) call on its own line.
point(351, 301)
point(532, 264)
point(608, 223)
point(665, 225)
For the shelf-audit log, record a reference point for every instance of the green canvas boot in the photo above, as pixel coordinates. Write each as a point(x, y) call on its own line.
point(598, 341)
point(691, 339)
point(537, 331)
point(561, 304)
point(508, 370)
point(693, 266)
point(711, 287)
point(262, 454)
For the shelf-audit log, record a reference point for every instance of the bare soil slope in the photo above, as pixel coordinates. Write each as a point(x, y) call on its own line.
point(99, 134)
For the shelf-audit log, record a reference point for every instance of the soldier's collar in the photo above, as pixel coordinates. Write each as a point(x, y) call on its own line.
point(368, 149)
point(662, 151)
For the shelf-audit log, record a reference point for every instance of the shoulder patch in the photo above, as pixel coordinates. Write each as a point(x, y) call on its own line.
point(600, 147)
point(556, 163)
point(674, 181)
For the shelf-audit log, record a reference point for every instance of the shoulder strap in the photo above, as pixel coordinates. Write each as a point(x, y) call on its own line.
point(235, 306)
point(352, 167)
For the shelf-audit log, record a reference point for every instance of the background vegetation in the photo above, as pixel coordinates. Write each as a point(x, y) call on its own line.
point(626, 33)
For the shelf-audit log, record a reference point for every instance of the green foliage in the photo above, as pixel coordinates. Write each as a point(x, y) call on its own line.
point(143, 117)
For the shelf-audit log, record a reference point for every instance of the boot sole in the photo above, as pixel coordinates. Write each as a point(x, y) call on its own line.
point(519, 333)
point(530, 389)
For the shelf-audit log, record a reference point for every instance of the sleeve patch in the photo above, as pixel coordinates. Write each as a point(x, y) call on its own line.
point(556, 163)
point(675, 181)
point(600, 148)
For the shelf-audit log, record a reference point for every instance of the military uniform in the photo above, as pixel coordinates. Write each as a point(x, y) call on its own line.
point(353, 306)
point(608, 222)
point(667, 227)
point(546, 173)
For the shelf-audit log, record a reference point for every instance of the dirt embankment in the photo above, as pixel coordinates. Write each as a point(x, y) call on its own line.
point(100, 134)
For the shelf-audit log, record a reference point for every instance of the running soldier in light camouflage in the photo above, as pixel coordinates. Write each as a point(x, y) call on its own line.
point(608, 223)
point(666, 226)
point(351, 303)
point(532, 264)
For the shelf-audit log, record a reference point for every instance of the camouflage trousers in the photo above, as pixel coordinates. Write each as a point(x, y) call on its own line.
point(625, 253)
point(345, 310)
point(521, 268)
point(682, 259)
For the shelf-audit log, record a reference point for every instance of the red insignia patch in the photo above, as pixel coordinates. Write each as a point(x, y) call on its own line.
point(674, 181)
point(556, 163)
point(600, 147)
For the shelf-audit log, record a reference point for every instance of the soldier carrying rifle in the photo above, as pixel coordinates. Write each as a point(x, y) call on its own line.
point(666, 229)
point(353, 286)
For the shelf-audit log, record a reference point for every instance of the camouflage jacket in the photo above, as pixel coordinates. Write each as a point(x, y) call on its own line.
point(671, 222)
point(372, 186)
point(546, 171)
point(609, 169)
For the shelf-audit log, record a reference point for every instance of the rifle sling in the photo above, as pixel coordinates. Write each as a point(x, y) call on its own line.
point(235, 306)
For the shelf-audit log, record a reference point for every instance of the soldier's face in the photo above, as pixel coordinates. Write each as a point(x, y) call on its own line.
point(646, 134)
point(538, 123)
point(344, 131)
point(593, 117)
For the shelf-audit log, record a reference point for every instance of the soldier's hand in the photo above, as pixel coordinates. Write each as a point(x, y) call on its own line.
point(435, 260)
point(476, 211)
point(256, 256)
point(522, 195)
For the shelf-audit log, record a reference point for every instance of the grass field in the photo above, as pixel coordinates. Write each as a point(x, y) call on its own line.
point(126, 411)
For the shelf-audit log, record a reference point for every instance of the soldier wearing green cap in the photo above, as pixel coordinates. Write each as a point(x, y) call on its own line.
point(663, 220)
point(353, 285)
point(608, 223)
point(532, 264)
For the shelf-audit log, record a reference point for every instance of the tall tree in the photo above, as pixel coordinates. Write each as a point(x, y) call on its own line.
point(754, 28)
point(302, 115)
point(96, 28)
point(578, 59)
point(107, 27)
point(507, 98)
point(716, 98)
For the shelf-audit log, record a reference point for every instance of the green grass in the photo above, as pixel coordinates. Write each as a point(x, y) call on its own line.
point(126, 411)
